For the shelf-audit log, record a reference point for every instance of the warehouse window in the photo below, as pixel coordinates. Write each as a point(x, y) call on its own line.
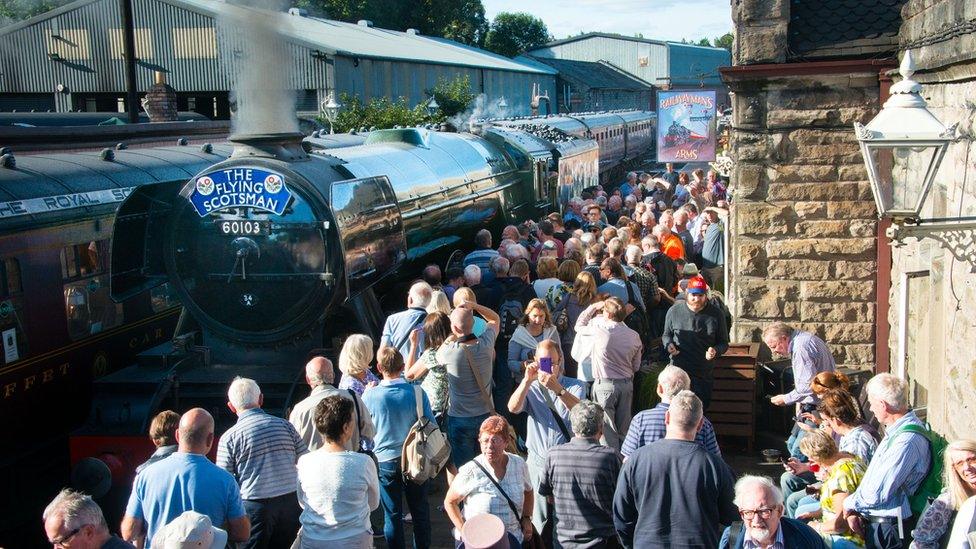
point(89, 308)
point(195, 43)
point(68, 44)
point(144, 44)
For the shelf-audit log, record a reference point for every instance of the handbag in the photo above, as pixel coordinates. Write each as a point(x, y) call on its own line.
point(535, 540)
point(426, 449)
point(359, 421)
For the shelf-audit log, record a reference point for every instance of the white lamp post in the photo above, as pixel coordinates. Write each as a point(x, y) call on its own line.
point(502, 104)
point(331, 110)
point(431, 106)
point(903, 147)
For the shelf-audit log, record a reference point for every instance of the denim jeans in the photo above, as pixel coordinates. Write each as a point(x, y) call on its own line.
point(462, 433)
point(393, 488)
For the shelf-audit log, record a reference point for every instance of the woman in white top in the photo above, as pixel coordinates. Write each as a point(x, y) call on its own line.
point(547, 270)
point(480, 495)
point(337, 489)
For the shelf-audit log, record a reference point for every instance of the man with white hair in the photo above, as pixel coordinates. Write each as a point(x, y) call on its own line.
point(483, 254)
point(73, 519)
point(396, 330)
point(320, 376)
point(261, 451)
point(648, 426)
point(672, 492)
point(763, 525)
point(185, 481)
point(896, 471)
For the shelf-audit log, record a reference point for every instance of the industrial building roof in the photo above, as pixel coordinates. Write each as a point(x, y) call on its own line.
point(340, 38)
point(599, 75)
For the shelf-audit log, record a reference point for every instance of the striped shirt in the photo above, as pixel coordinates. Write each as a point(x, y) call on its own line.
point(897, 470)
point(860, 443)
point(648, 426)
point(261, 451)
point(581, 476)
point(810, 356)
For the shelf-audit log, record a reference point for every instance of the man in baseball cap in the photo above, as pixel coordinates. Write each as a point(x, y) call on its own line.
point(191, 529)
point(695, 332)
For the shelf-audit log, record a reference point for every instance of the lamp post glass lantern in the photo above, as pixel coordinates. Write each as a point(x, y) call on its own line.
point(331, 110)
point(903, 147)
point(432, 106)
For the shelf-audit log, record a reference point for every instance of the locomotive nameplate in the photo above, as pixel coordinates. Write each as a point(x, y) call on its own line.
point(243, 227)
point(239, 187)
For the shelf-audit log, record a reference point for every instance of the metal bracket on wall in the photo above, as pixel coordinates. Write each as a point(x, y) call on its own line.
point(957, 235)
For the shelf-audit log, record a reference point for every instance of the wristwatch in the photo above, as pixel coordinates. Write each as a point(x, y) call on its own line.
point(561, 392)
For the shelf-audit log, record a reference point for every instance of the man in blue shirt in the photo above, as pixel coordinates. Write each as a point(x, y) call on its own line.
point(392, 404)
point(396, 330)
point(896, 471)
point(482, 255)
point(185, 481)
point(648, 426)
point(544, 396)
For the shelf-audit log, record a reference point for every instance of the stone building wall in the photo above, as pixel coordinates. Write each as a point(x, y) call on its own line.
point(803, 224)
point(939, 287)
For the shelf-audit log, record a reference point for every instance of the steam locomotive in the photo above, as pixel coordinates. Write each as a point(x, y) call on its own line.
point(279, 248)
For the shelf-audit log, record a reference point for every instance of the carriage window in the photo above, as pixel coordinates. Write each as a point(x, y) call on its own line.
point(88, 307)
point(14, 343)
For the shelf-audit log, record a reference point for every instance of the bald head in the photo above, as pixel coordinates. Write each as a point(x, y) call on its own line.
point(196, 432)
point(319, 371)
point(462, 321)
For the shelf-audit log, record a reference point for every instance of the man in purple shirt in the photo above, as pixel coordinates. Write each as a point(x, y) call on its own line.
point(810, 356)
point(615, 352)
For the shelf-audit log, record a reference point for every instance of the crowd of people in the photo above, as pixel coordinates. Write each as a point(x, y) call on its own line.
point(525, 356)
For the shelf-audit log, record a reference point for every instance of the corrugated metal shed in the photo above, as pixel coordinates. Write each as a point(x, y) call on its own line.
point(645, 59)
point(693, 65)
point(79, 46)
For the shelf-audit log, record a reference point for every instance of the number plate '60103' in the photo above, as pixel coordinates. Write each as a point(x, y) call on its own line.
point(243, 227)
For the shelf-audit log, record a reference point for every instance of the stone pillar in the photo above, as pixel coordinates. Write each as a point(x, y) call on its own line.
point(803, 221)
point(160, 101)
point(760, 31)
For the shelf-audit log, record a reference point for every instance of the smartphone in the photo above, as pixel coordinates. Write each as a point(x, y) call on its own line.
point(784, 459)
point(545, 364)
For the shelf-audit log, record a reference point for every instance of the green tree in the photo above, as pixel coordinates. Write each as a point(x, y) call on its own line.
point(17, 10)
point(460, 20)
point(513, 33)
point(704, 42)
point(453, 97)
point(724, 41)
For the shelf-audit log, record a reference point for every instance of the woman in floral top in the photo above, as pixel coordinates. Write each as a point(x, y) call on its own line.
point(843, 473)
point(436, 329)
point(960, 474)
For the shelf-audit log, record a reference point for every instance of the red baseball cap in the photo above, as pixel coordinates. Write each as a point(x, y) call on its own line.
point(697, 285)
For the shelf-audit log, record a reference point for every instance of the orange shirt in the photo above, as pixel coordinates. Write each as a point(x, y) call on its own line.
point(673, 247)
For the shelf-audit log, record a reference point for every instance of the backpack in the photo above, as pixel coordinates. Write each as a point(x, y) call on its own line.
point(638, 321)
point(426, 449)
point(509, 314)
point(560, 317)
point(931, 485)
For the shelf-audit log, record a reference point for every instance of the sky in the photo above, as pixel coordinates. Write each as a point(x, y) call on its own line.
point(655, 19)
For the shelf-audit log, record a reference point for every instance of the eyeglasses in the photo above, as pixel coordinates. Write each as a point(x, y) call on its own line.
point(965, 462)
point(59, 542)
point(764, 513)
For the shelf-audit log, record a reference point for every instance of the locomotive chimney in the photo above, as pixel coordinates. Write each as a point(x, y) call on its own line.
point(281, 146)
point(160, 100)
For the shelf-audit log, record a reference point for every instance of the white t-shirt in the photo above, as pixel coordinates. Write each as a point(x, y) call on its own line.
point(959, 538)
point(481, 496)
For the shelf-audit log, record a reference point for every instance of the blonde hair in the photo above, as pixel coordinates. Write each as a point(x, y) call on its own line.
point(568, 271)
point(584, 288)
point(464, 294)
point(818, 445)
point(547, 267)
point(439, 303)
point(533, 305)
point(959, 490)
point(356, 354)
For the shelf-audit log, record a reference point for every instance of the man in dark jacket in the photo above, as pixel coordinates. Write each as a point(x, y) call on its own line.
point(673, 492)
point(694, 334)
point(761, 508)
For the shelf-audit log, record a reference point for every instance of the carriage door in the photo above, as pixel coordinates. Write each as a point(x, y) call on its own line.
point(370, 230)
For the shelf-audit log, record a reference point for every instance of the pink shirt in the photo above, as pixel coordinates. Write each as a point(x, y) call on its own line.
point(616, 348)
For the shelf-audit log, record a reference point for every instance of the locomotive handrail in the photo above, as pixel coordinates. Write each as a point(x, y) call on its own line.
point(463, 199)
point(269, 277)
